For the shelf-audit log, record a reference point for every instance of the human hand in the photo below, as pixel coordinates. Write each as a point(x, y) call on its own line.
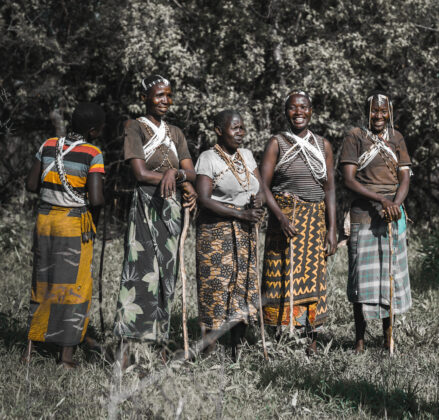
point(251, 215)
point(168, 186)
point(255, 201)
point(330, 242)
point(391, 210)
point(189, 196)
point(287, 227)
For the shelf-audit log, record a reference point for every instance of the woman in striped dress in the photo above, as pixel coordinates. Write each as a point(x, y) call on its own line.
point(298, 181)
point(68, 175)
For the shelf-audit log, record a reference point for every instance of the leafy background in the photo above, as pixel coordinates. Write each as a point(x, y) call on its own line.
point(245, 54)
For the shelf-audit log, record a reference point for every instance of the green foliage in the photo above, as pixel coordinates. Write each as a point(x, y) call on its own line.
point(245, 54)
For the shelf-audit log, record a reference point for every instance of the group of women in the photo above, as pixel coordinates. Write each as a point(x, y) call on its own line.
point(295, 180)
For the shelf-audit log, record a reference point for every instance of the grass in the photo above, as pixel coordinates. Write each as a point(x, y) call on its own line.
point(335, 384)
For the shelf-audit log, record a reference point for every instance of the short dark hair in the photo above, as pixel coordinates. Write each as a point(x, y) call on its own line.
point(87, 115)
point(220, 119)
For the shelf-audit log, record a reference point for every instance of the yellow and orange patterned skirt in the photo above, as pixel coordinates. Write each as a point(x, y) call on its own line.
point(227, 280)
point(61, 280)
point(309, 262)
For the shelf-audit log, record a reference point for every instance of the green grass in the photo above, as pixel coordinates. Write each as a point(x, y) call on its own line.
point(335, 384)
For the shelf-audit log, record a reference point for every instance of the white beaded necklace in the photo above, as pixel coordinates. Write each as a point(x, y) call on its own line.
point(312, 154)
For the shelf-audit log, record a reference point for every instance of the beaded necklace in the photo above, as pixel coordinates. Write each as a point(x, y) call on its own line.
point(237, 166)
point(59, 164)
point(165, 150)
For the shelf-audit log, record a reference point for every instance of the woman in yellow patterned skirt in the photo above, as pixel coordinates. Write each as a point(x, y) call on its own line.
point(228, 186)
point(298, 181)
point(68, 175)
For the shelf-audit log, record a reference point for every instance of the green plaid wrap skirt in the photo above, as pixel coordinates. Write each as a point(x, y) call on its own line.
point(368, 281)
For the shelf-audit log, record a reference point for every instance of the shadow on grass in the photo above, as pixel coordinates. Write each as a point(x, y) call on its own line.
point(391, 403)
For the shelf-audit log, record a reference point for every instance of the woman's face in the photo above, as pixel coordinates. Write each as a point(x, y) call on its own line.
point(232, 134)
point(298, 112)
point(158, 100)
point(379, 114)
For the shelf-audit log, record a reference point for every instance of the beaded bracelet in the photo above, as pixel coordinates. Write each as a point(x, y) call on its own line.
point(181, 176)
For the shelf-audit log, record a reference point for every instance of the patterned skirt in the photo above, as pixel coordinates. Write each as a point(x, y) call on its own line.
point(309, 262)
point(149, 271)
point(227, 280)
point(368, 281)
point(61, 280)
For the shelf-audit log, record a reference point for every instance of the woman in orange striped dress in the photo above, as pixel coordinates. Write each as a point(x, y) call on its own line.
point(68, 175)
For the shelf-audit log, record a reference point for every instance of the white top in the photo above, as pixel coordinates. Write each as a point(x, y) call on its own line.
point(227, 189)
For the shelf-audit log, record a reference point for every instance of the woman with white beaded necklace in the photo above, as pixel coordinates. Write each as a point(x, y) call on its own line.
point(162, 167)
point(298, 182)
point(228, 186)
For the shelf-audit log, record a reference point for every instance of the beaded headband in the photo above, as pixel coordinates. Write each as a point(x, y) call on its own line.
point(381, 100)
point(160, 79)
point(298, 92)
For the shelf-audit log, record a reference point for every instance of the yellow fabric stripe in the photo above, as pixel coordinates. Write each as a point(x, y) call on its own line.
point(74, 181)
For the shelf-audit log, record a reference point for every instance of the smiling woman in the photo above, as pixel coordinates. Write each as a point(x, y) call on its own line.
point(376, 167)
point(298, 181)
point(228, 185)
point(162, 167)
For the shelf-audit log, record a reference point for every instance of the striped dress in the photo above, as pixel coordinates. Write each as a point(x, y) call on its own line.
point(63, 249)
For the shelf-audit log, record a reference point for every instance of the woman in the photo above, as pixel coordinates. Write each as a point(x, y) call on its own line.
point(376, 168)
point(67, 173)
point(228, 187)
point(298, 181)
point(162, 167)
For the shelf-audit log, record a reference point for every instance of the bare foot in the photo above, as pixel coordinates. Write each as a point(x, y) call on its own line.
point(359, 347)
point(312, 349)
point(163, 355)
point(68, 364)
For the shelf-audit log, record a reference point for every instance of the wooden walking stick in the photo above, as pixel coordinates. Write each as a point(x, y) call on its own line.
point(183, 280)
point(391, 343)
point(101, 272)
point(261, 315)
point(292, 273)
point(291, 286)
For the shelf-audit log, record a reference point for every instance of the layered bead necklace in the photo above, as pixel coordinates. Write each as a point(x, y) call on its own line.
point(237, 166)
point(162, 147)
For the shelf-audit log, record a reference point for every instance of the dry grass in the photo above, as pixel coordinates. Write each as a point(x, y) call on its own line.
point(335, 384)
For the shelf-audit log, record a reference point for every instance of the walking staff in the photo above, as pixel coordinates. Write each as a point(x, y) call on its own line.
point(183, 280)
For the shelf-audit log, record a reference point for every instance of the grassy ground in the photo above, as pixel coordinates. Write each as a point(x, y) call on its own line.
point(335, 384)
